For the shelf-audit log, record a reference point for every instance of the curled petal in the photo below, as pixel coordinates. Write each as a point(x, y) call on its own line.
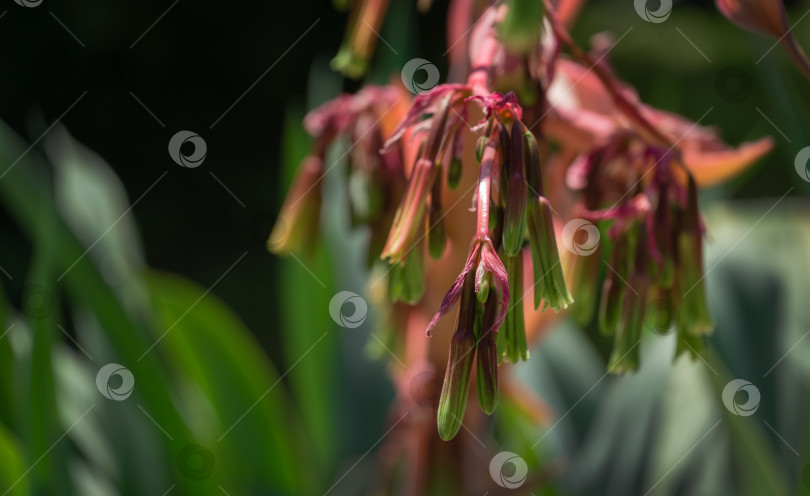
point(338, 114)
point(505, 107)
point(492, 264)
point(424, 103)
point(454, 293)
point(482, 253)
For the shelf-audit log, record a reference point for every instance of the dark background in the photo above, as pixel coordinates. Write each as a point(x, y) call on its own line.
point(188, 69)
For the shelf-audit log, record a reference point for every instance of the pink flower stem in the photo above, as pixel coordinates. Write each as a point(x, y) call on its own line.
point(479, 78)
point(484, 186)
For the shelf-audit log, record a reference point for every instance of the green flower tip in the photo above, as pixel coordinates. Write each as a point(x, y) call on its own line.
point(349, 63)
point(549, 283)
point(453, 400)
point(486, 372)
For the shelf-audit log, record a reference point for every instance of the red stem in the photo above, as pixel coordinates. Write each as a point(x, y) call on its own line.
point(627, 107)
point(484, 186)
point(481, 67)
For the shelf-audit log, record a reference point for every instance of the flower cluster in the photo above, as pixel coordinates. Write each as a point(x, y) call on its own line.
point(555, 129)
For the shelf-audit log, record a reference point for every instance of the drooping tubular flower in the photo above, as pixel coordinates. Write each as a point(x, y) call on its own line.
point(509, 167)
point(557, 130)
point(657, 243)
point(437, 136)
point(377, 177)
point(637, 169)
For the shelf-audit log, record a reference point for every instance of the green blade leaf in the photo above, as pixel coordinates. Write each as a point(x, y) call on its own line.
point(211, 348)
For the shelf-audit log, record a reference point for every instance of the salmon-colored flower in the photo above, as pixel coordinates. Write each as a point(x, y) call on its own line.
point(584, 116)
